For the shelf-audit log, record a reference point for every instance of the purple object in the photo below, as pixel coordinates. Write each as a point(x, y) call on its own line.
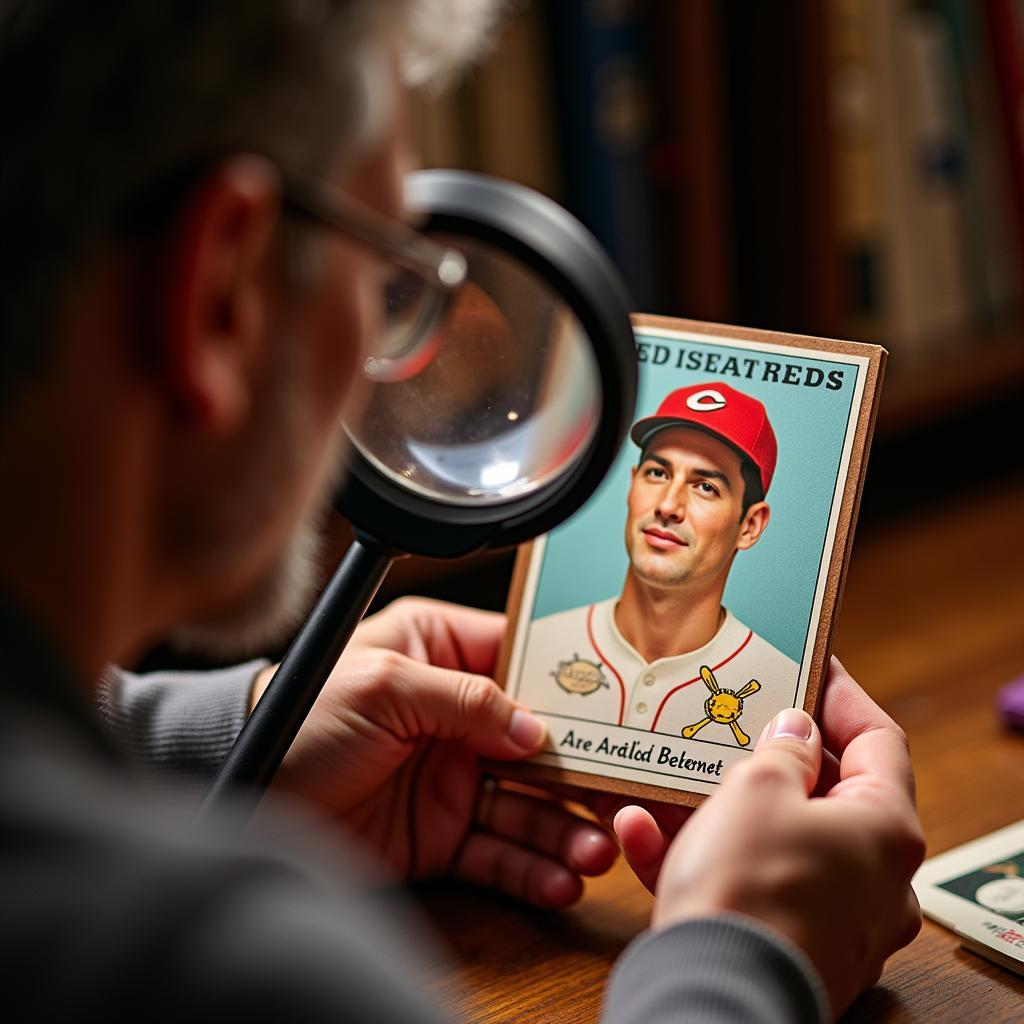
point(1010, 702)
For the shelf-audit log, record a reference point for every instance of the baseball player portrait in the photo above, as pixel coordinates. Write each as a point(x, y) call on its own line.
point(665, 654)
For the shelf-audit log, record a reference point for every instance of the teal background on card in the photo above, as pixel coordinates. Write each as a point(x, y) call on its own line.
point(771, 586)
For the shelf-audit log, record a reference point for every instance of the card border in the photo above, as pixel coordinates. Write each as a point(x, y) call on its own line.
point(875, 359)
point(962, 916)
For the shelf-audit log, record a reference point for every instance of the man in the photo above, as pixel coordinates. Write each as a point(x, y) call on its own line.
point(696, 498)
point(178, 351)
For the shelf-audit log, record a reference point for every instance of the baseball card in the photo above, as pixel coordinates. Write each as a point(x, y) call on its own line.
point(661, 628)
point(977, 891)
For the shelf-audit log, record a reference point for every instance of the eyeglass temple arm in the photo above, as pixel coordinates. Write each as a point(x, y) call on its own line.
point(443, 267)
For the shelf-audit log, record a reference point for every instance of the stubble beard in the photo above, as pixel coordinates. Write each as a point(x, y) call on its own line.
point(272, 607)
point(268, 611)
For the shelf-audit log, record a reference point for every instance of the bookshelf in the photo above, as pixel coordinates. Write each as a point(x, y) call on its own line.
point(845, 168)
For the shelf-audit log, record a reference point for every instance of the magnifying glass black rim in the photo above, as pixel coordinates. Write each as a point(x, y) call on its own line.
point(542, 236)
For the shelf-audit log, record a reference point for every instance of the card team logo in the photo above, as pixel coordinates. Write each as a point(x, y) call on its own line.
point(723, 707)
point(708, 400)
point(579, 676)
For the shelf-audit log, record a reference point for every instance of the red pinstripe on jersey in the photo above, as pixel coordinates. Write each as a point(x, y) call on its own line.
point(606, 662)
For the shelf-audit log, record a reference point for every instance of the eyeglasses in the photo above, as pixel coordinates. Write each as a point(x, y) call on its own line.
point(416, 295)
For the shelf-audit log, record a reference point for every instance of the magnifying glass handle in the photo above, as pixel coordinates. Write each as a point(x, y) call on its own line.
point(268, 733)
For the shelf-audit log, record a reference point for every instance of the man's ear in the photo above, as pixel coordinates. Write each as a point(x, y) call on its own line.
point(213, 290)
point(753, 525)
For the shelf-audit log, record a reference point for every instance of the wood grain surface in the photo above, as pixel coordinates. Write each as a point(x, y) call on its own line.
point(932, 625)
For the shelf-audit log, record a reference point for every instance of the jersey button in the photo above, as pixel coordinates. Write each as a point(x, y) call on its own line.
point(641, 707)
point(649, 679)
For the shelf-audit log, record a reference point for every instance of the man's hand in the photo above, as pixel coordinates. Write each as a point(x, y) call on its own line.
point(391, 750)
point(831, 872)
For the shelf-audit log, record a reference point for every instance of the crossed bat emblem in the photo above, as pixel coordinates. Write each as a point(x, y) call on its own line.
point(724, 706)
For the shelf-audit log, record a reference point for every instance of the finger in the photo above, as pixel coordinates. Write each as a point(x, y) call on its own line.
point(910, 925)
point(547, 828)
point(436, 632)
point(829, 774)
point(462, 638)
point(873, 975)
point(868, 742)
point(846, 710)
point(497, 863)
point(605, 806)
point(643, 843)
point(411, 700)
point(907, 927)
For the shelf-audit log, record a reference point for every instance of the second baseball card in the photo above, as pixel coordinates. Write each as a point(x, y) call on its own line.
point(660, 629)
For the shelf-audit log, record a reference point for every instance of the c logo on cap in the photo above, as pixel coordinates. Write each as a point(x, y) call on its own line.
point(707, 400)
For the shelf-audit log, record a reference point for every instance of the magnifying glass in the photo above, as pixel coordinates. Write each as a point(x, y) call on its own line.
point(488, 432)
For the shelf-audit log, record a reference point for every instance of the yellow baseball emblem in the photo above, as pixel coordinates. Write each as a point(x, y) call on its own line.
point(579, 676)
point(724, 706)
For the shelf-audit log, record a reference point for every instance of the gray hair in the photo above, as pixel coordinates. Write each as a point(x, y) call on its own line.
point(106, 107)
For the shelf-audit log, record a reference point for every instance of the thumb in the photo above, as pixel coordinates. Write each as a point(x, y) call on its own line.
point(643, 842)
point(789, 751)
point(450, 704)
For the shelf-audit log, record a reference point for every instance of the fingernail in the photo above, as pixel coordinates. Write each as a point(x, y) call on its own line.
point(525, 730)
point(791, 723)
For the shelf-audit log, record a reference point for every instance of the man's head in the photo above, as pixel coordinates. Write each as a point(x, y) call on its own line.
point(697, 494)
point(155, 287)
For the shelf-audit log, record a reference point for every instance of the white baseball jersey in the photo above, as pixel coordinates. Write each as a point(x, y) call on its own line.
point(576, 663)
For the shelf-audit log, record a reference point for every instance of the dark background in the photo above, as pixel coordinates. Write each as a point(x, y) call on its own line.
point(841, 168)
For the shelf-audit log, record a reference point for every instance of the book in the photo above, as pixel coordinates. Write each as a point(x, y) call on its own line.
point(603, 102)
point(925, 291)
point(1004, 22)
point(977, 891)
point(690, 159)
point(788, 274)
point(660, 629)
point(994, 259)
point(852, 86)
point(510, 99)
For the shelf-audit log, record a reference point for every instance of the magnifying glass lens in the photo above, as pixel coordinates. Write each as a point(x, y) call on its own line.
point(498, 401)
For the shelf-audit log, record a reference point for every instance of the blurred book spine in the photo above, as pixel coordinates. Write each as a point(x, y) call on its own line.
point(787, 268)
point(936, 158)
point(1005, 29)
point(604, 118)
point(690, 159)
point(510, 97)
point(996, 269)
point(852, 88)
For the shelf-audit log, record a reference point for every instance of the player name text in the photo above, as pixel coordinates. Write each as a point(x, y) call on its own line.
point(637, 750)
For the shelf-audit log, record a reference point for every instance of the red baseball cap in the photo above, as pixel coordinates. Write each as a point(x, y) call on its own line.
point(739, 420)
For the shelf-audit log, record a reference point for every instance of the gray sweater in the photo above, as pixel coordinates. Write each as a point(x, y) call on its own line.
point(113, 902)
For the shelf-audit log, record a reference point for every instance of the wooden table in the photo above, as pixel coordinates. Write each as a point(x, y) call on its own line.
point(932, 624)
